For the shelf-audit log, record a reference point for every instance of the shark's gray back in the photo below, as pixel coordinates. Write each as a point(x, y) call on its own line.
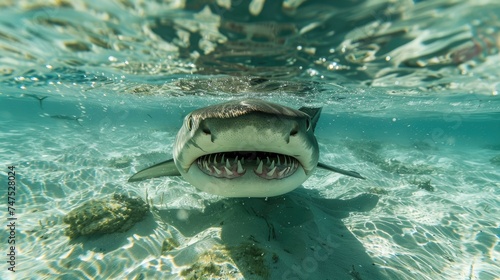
point(241, 107)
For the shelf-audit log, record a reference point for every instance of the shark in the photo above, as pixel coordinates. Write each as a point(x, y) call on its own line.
point(68, 118)
point(245, 148)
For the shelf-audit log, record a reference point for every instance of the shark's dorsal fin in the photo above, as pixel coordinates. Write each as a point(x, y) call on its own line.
point(341, 171)
point(313, 113)
point(166, 168)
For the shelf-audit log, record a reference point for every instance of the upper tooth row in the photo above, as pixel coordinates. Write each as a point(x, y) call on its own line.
point(226, 167)
point(209, 159)
point(287, 160)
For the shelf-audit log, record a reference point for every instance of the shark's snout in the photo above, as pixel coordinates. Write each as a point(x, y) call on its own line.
point(251, 126)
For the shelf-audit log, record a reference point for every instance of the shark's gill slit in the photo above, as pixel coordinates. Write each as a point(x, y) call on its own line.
point(235, 164)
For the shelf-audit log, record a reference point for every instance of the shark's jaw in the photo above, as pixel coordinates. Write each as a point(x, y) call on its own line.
point(253, 153)
point(231, 165)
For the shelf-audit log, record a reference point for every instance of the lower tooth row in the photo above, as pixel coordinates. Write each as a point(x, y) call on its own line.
point(283, 171)
point(260, 167)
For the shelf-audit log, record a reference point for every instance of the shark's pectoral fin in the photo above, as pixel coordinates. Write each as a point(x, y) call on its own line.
point(166, 168)
point(341, 171)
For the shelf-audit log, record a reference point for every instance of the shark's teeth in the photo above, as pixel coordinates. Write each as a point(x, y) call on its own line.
point(221, 165)
point(270, 173)
point(280, 167)
point(231, 165)
point(259, 168)
point(280, 174)
point(217, 170)
point(240, 168)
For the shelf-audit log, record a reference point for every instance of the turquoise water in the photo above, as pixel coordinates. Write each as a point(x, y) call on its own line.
point(410, 97)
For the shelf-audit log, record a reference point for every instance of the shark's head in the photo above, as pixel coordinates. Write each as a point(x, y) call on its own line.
point(246, 148)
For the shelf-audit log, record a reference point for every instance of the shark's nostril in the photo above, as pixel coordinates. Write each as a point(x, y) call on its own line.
point(206, 131)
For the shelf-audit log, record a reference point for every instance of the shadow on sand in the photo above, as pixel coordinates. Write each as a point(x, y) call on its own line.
point(294, 236)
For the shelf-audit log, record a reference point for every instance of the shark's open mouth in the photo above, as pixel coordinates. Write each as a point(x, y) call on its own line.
point(235, 164)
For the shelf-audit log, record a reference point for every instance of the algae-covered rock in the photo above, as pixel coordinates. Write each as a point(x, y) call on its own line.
point(115, 213)
point(168, 245)
point(231, 262)
point(252, 259)
point(423, 184)
point(377, 190)
point(214, 263)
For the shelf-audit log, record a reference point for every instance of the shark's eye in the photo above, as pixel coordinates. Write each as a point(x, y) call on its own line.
point(189, 123)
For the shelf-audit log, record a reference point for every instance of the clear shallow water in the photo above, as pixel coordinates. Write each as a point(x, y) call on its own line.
point(410, 97)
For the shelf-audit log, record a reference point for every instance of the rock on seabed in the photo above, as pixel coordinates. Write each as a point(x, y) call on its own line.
point(115, 213)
